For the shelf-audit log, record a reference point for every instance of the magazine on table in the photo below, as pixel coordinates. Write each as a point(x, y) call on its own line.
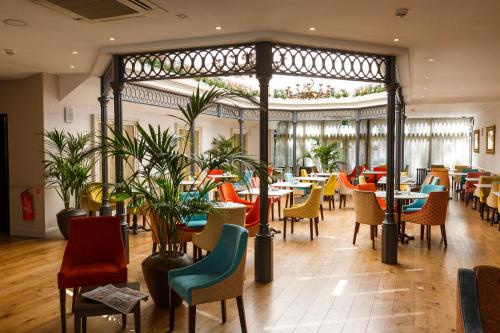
point(120, 299)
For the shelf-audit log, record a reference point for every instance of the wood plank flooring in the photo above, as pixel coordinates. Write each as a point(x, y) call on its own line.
point(327, 285)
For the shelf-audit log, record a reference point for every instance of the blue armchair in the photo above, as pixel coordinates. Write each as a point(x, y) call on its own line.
point(419, 203)
point(435, 181)
point(216, 278)
point(196, 221)
point(245, 182)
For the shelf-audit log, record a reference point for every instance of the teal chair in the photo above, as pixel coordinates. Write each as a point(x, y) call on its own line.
point(218, 277)
point(195, 221)
point(462, 178)
point(435, 181)
point(245, 182)
point(289, 178)
point(419, 203)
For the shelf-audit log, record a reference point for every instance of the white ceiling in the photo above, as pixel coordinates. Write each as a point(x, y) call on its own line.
point(462, 36)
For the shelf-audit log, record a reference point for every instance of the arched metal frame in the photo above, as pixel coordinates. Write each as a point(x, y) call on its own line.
point(263, 59)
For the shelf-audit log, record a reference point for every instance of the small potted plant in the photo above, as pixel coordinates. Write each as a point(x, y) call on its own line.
point(163, 163)
point(68, 163)
point(328, 156)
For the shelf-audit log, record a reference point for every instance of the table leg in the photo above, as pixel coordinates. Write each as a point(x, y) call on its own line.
point(137, 318)
point(404, 237)
point(77, 322)
point(84, 324)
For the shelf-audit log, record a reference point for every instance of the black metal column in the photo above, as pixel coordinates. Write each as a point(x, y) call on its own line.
point(192, 146)
point(241, 121)
point(403, 137)
point(367, 145)
point(117, 86)
point(105, 209)
point(358, 127)
point(294, 143)
point(471, 140)
point(389, 226)
point(399, 143)
point(264, 240)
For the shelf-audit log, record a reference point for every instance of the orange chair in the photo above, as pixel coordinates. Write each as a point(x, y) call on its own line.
point(345, 188)
point(352, 175)
point(252, 218)
point(272, 199)
point(228, 194)
point(370, 187)
point(380, 168)
point(432, 213)
point(444, 178)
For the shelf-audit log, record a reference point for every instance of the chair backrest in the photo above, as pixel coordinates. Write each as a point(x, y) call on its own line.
point(94, 192)
point(443, 177)
point(366, 208)
point(484, 192)
point(466, 171)
point(95, 239)
point(434, 210)
point(432, 188)
point(255, 182)
point(288, 177)
point(314, 200)
point(361, 179)
point(233, 214)
point(380, 168)
point(215, 172)
point(428, 179)
point(345, 185)
point(367, 187)
point(435, 180)
point(193, 194)
point(491, 200)
point(228, 193)
point(303, 172)
point(437, 166)
point(331, 185)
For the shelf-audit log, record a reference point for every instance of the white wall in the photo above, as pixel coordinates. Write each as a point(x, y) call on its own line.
point(481, 121)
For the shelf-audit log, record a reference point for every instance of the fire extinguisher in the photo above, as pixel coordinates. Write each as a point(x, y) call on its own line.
point(27, 204)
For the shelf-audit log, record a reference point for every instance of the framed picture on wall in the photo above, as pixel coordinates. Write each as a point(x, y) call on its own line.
point(476, 140)
point(490, 140)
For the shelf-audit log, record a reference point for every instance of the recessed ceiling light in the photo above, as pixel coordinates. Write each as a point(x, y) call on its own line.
point(218, 28)
point(74, 52)
point(312, 29)
point(427, 77)
point(111, 38)
point(182, 16)
point(396, 39)
point(15, 23)
point(71, 67)
point(431, 59)
point(425, 88)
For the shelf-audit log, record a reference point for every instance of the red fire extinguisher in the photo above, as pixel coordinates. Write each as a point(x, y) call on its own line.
point(27, 204)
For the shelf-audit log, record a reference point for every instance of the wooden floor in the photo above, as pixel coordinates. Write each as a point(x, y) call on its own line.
point(327, 285)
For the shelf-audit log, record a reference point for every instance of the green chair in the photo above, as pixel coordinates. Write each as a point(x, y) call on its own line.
point(218, 277)
point(419, 203)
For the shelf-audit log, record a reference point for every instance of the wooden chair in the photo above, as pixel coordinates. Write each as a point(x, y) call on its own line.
point(308, 210)
point(444, 178)
point(218, 277)
point(432, 213)
point(367, 211)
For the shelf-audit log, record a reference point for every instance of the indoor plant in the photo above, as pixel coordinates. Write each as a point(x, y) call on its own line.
point(68, 163)
point(328, 156)
point(163, 161)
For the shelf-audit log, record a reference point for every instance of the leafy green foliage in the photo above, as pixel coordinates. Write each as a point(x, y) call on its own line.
point(369, 89)
point(68, 163)
point(328, 156)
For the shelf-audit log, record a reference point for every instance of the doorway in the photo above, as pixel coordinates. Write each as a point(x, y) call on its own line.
point(4, 176)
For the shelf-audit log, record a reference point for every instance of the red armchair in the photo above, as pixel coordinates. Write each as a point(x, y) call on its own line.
point(370, 187)
point(380, 168)
point(228, 194)
point(94, 255)
point(352, 175)
point(252, 218)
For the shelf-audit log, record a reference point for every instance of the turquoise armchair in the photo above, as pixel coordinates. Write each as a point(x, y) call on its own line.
point(196, 221)
point(289, 178)
point(462, 178)
point(435, 181)
point(419, 203)
point(216, 278)
point(245, 182)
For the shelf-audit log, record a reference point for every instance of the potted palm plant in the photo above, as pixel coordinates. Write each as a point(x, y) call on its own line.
point(68, 164)
point(163, 163)
point(328, 156)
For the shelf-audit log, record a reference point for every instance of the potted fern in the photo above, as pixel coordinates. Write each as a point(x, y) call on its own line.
point(68, 164)
point(163, 163)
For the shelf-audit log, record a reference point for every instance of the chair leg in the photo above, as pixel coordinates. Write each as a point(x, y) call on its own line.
point(403, 227)
point(356, 230)
point(279, 208)
point(292, 220)
point(192, 319)
point(372, 237)
point(443, 234)
point(329, 203)
point(316, 222)
point(223, 310)
point(241, 312)
point(124, 321)
point(272, 211)
point(487, 213)
point(428, 237)
point(321, 211)
point(73, 299)
point(171, 310)
point(62, 301)
point(311, 228)
point(284, 227)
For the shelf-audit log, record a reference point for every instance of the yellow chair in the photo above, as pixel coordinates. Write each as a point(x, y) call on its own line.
point(492, 202)
point(457, 179)
point(361, 179)
point(330, 189)
point(92, 199)
point(309, 209)
point(404, 187)
point(483, 192)
point(367, 211)
point(303, 173)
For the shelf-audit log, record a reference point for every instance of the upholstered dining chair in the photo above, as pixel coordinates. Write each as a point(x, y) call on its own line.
point(308, 210)
point(229, 194)
point(428, 179)
point(444, 178)
point(345, 188)
point(416, 205)
point(469, 186)
point(94, 255)
point(367, 211)
point(361, 179)
point(436, 181)
point(483, 192)
point(252, 218)
point(92, 199)
point(492, 202)
point(228, 213)
point(370, 187)
point(218, 277)
point(329, 191)
point(382, 168)
point(431, 214)
point(456, 180)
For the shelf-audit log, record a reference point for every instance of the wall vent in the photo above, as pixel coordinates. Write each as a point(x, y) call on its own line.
point(103, 10)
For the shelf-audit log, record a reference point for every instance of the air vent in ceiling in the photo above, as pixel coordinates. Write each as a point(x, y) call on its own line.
point(103, 10)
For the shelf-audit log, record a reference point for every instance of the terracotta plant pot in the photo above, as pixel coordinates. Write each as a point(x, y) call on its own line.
point(64, 217)
point(155, 271)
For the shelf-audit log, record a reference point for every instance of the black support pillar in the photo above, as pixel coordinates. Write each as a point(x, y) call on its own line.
point(389, 226)
point(403, 137)
point(264, 239)
point(294, 143)
point(192, 146)
point(399, 144)
point(105, 209)
point(241, 121)
point(367, 145)
point(358, 127)
point(117, 86)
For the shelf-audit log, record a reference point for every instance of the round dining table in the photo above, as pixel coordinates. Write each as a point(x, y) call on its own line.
point(402, 196)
